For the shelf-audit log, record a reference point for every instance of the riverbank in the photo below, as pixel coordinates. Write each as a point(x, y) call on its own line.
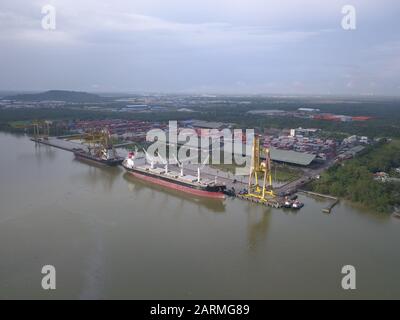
point(354, 179)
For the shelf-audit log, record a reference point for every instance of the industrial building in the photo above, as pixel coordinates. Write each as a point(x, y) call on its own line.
point(209, 124)
point(303, 132)
point(292, 157)
point(308, 110)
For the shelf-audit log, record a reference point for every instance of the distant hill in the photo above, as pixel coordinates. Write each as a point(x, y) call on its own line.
point(58, 95)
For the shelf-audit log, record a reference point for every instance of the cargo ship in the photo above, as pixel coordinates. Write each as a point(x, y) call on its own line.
point(100, 150)
point(175, 180)
point(106, 156)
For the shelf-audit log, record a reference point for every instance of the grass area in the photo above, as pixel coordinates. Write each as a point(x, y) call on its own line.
point(19, 124)
point(280, 173)
point(284, 173)
point(225, 167)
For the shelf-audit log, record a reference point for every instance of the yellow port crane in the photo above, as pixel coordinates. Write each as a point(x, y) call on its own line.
point(45, 126)
point(260, 171)
point(99, 142)
point(41, 128)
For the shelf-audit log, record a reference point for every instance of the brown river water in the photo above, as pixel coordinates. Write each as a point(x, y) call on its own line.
point(111, 236)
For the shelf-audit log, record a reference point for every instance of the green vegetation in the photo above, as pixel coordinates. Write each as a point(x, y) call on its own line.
point(285, 173)
point(384, 111)
point(8, 117)
point(353, 180)
point(280, 173)
point(225, 167)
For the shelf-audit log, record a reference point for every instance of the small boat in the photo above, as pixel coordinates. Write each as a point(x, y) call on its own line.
point(288, 203)
point(297, 205)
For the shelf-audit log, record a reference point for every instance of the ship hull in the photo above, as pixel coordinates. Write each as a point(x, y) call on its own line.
point(89, 158)
point(175, 186)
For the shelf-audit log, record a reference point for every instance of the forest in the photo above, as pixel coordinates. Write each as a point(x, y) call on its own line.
point(353, 179)
point(385, 115)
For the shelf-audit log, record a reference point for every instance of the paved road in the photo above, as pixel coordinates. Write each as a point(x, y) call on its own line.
point(308, 175)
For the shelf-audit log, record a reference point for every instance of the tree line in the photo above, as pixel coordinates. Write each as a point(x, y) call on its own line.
point(353, 179)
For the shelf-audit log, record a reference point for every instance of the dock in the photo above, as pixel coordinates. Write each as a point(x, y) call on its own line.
point(233, 183)
point(124, 144)
point(60, 143)
point(273, 202)
point(330, 207)
point(327, 209)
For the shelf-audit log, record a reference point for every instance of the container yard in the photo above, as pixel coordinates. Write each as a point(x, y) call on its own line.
point(322, 149)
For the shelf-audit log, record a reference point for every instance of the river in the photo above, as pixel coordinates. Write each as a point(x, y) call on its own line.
point(111, 236)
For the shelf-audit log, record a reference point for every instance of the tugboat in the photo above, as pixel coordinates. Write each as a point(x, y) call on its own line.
point(297, 205)
point(292, 203)
point(288, 203)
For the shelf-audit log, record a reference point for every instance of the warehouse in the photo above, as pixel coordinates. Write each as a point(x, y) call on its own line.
point(292, 157)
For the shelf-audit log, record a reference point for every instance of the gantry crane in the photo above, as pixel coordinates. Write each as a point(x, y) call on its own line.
point(41, 128)
point(45, 126)
point(99, 142)
point(260, 171)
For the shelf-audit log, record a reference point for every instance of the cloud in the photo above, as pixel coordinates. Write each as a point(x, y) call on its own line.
point(265, 46)
point(111, 27)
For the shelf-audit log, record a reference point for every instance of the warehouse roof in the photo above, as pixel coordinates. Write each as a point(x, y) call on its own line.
point(207, 124)
point(289, 156)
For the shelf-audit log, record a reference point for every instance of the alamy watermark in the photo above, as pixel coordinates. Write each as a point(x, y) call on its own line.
point(349, 280)
point(349, 20)
point(49, 18)
point(49, 280)
point(187, 145)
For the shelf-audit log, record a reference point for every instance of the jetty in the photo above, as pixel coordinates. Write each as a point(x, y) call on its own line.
point(59, 143)
point(327, 209)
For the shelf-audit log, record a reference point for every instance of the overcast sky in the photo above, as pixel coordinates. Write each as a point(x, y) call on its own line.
point(209, 46)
